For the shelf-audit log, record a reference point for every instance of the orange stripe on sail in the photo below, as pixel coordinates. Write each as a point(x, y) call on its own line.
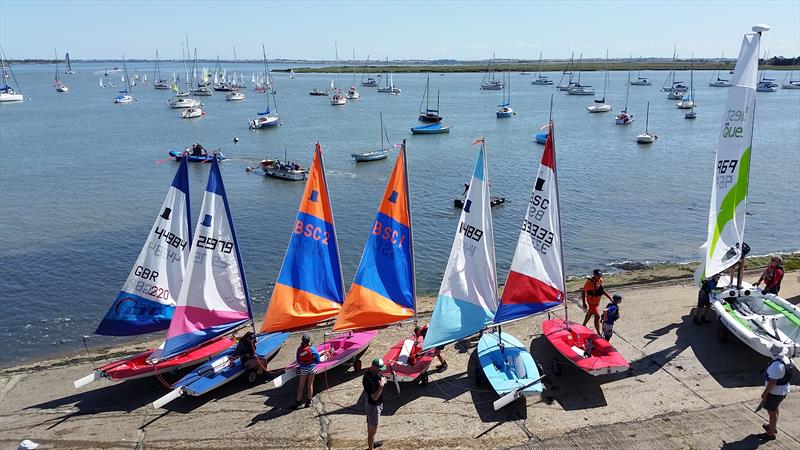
point(291, 309)
point(395, 199)
point(365, 308)
point(315, 197)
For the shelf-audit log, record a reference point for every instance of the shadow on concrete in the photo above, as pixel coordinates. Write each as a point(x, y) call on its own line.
point(580, 390)
point(750, 442)
point(118, 397)
point(185, 405)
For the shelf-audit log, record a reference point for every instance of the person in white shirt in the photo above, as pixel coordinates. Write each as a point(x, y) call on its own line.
point(776, 388)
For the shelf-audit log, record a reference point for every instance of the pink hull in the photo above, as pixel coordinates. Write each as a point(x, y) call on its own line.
point(344, 347)
point(570, 341)
point(136, 366)
point(419, 363)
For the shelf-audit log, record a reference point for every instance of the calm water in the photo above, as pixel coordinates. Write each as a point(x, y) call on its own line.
point(81, 185)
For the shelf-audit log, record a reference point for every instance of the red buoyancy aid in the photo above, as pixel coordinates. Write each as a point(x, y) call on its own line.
point(305, 355)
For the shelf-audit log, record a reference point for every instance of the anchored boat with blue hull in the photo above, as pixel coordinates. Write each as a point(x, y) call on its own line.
point(181, 155)
point(434, 128)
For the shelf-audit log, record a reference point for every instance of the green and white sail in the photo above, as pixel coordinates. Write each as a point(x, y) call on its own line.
point(726, 216)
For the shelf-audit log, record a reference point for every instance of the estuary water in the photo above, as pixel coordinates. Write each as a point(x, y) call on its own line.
point(82, 178)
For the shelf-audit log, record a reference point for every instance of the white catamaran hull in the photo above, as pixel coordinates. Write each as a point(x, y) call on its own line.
point(759, 320)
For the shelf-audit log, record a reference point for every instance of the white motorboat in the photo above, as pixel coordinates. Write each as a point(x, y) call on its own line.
point(579, 89)
point(646, 137)
point(202, 91)
point(352, 93)
point(623, 118)
point(235, 96)
point(337, 99)
point(191, 113)
point(674, 95)
point(183, 102)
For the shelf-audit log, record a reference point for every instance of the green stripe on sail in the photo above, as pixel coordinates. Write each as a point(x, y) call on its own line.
point(735, 196)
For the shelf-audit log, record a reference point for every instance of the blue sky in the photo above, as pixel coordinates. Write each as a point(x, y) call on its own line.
point(400, 30)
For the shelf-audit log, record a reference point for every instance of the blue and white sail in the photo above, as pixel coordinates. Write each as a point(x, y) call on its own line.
point(147, 299)
point(214, 299)
point(467, 299)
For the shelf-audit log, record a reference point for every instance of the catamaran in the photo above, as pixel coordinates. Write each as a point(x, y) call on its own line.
point(309, 289)
point(504, 109)
point(715, 80)
point(489, 83)
point(601, 105)
point(7, 93)
point(758, 319)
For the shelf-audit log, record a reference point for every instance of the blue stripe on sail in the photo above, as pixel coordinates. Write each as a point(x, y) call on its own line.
point(181, 180)
point(312, 261)
point(182, 342)
point(454, 319)
point(478, 174)
point(215, 180)
point(507, 312)
point(131, 315)
point(386, 266)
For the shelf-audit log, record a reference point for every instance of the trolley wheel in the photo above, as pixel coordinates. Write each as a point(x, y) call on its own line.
point(252, 376)
point(423, 379)
point(722, 331)
point(357, 365)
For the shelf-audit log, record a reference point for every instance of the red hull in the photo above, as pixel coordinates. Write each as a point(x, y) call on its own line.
point(571, 341)
point(418, 363)
point(136, 366)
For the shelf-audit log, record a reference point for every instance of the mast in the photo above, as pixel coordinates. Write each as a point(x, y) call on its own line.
point(354, 67)
point(539, 74)
point(551, 135)
point(605, 80)
point(55, 58)
point(628, 84)
point(647, 119)
point(410, 231)
point(382, 145)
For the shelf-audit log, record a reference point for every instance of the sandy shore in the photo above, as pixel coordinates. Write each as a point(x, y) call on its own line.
point(684, 390)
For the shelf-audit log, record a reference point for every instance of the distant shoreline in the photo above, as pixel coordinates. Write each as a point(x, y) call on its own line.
point(454, 67)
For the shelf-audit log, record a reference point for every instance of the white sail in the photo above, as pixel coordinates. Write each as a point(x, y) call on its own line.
point(536, 278)
point(726, 216)
point(467, 298)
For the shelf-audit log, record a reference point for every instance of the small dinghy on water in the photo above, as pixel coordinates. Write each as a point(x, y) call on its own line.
point(375, 155)
point(190, 156)
point(434, 128)
point(758, 319)
point(537, 275)
point(309, 289)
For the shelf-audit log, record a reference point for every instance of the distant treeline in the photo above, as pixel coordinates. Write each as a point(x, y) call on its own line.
point(780, 61)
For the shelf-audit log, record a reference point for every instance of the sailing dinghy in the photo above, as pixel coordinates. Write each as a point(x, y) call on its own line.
point(759, 320)
point(146, 302)
point(467, 300)
point(384, 289)
point(538, 273)
point(309, 289)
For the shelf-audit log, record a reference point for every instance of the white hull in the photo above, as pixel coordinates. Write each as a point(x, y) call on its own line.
point(645, 138)
point(11, 97)
point(370, 156)
point(795, 85)
point(599, 108)
point(338, 100)
point(719, 84)
point(62, 88)
point(235, 97)
point(293, 175)
point(123, 99)
point(685, 104)
point(766, 89)
point(759, 320)
point(182, 102)
point(641, 83)
point(191, 113)
point(264, 122)
point(580, 91)
point(674, 95)
point(542, 82)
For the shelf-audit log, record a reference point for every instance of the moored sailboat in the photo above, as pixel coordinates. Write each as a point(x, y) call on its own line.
point(541, 80)
point(624, 117)
point(60, 87)
point(646, 137)
point(376, 155)
point(427, 114)
point(601, 105)
point(69, 70)
point(715, 80)
point(504, 109)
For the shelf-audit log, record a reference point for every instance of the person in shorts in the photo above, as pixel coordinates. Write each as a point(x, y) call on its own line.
point(610, 315)
point(704, 300)
point(590, 297)
point(307, 360)
point(776, 388)
point(419, 336)
point(373, 383)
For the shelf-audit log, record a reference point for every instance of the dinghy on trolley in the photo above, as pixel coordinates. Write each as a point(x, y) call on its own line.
point(758, 319)
point(309, 290)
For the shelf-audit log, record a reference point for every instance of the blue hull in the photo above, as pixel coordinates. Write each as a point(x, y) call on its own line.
point(435, 128)
point(207, 158)
point(510, 369)
point(221, 370)
point(503, 115)
point(541, 138)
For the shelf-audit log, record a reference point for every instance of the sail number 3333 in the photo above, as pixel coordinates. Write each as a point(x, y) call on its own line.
point(725, 171)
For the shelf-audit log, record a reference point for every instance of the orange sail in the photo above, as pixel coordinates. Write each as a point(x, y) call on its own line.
point(383, 289)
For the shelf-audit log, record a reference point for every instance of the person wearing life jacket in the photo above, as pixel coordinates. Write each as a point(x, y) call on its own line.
point(610, 315)
point(419, 336)
point(776, 387)
point(593, 289)
point(704, 300)
point(307, 360)
point(246, 352)
point(772, 276)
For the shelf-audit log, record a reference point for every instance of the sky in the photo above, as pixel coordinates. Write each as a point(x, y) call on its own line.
point(464, 30)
